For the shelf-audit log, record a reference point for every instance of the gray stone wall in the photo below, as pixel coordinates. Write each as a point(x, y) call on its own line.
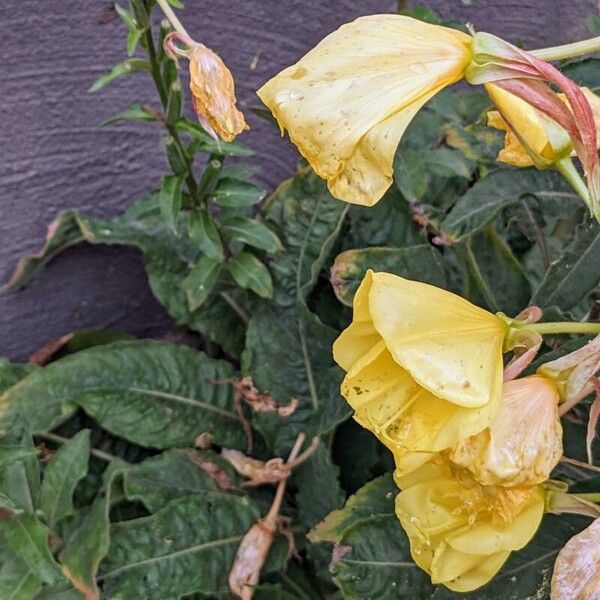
point(54, 157)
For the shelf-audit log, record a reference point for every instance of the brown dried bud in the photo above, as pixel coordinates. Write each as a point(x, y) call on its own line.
point(213, 94)
point(257, 471)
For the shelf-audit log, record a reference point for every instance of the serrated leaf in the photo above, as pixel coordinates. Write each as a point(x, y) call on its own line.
point(253, 233)
point(67, 467)
point(204, 233)
point(248, 272)
point(288, 350)
point(174, 474)
point(421, 263)
point(201, 280)
point(375, 498)
point(127, 67)
point(186, 547)
point(136, 112)
point(151, 393)
point(574, 274)
point(28, 537)
point(484, 201)
point(170, 199)
point(235, 193)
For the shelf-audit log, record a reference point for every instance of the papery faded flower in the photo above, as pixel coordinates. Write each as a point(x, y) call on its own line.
point(348, 101)
point(462, 532)
point(523, 442)
point(531, 138)
point(212, 87)
point(424, 366)
point(577, 568)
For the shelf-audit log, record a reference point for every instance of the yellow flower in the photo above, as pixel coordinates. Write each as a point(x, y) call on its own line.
point(523, 443)
point(462, 532)
point(213, 94)
point(347, 102)
point(424, 366)
point(531, 137)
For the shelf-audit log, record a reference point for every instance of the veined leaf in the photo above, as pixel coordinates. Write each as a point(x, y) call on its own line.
point(574, 274)
point(11, 373)
point(186, 547)
point(288, 350)
point(206, 143)
point(17, 580)
point(253, 233)
point(248, 272)
point(28, 537)
point(170, 199)
point(67, 467)
point(421, 263)
point(151, 393)
point(204, 233)
point(201, 280)
point(235, 193)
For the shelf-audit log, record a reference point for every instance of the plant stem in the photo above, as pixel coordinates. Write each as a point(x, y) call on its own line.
point(567, 50)
point(59, 439)
point(567, 169)
point(170, 14)
point(566, 327)
point(590, 497)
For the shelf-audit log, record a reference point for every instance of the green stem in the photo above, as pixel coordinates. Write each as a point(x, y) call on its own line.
point(568, 50)
point(589, 497)
point(566, 327)
point(170, 14)
point(59, 439)
point(567, 169)
point(159, 82)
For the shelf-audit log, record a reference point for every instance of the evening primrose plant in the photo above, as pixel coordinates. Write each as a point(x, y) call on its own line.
point(384, 378)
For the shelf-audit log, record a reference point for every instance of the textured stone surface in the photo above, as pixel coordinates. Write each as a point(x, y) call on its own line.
point(53, 156)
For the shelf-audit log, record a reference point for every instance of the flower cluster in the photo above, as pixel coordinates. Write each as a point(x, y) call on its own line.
point(424, 373)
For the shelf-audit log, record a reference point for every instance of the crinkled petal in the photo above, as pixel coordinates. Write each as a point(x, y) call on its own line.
point(355, 79)
point(448, 345)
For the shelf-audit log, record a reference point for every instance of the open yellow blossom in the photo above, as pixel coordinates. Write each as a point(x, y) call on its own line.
point(531, 137)
point(462, 532)
point(348, 101)
point(523, 443)
point(424, 366)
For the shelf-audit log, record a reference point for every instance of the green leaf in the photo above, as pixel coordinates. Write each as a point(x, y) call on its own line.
point(187, 546)
point(506, 187)
point(378, 563)
point(253, 233)
point(421, 263)
point(375, 498)
point(574, 274)
point(151, 393)
point(134, 29)
point(205, 143)
point(12, 453)
point(28, 537)
point(204, 233)
point(89, 543)
point(136, 112)
point(60, 591)
point(67, 467)
point(127, 67)
point(170, 199)
point(201, 280)
point(174, 474)
point(288, 350)
point(11, 373)
point(584, 72)
point(17, 580)
point(248, 272)
point(235, 193)
point(496, 276)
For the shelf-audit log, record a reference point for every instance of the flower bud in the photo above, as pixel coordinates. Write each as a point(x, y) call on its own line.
point(523, 442)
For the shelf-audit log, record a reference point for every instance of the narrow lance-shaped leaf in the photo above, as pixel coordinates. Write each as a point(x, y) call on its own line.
point(170, 199)
point(67, 467)
point(253, 233)
point(248, 272)
point(136, 112)
point(201, 280)
point(127, 67)
point(236, 193)
point(204, 233)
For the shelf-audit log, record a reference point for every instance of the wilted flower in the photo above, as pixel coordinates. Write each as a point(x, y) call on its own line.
point(577, 568)
point(212, 86)
point(424, 366)
point(462, 532)
point(531, 138)
point(523, 442)
point(348, 101)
